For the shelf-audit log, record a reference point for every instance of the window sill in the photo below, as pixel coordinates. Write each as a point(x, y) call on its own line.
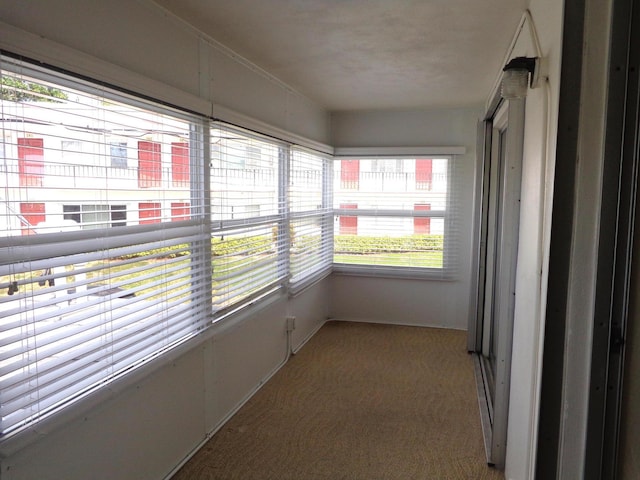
point(408, 273)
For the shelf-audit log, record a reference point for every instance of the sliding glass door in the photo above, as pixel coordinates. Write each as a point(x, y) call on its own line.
point(495, 296)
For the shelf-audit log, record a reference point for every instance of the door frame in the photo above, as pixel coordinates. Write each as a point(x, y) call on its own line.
point(496, 412)
point(616, 268)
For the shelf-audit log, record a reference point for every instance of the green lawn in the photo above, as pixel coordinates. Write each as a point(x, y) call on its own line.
point(431, 259)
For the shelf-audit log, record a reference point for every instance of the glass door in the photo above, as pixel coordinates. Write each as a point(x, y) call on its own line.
point(496, 284)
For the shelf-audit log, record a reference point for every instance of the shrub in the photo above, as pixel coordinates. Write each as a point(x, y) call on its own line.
point(166, 252)
point(257, 244)
point(369, 244)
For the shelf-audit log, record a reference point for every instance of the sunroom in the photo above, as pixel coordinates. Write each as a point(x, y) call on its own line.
point(190, 191)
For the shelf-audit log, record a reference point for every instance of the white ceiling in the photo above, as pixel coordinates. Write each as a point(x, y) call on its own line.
point(367, 54)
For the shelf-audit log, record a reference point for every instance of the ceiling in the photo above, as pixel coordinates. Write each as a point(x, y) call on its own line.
point(367, 54)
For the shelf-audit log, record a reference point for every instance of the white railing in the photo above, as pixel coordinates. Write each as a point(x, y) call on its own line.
point(389, 182)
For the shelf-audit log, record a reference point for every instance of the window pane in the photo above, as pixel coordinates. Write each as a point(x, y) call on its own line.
point(248, 217)
point(390, 241)
point(245, 262)
point(310, 223)
point(118, 152)
point(81, 302)
point(393, 213)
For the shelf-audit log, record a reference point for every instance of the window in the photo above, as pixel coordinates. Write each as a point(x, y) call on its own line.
point(311, 215)
point(348, 223)
point(31, 161)
point(248, 212)
point(88, 216)
point(32, 215)
point(95, 216)
point(118, 215)
point(149, 164)
point(81, 302)
point(118, 153)
point(180, 164)
point(424, 174)
point(349, 174)
point(149, 212)
point(422, 224)
point(392, 220)
point(180, 211)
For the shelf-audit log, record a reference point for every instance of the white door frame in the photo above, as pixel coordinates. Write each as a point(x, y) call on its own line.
point(497, 247)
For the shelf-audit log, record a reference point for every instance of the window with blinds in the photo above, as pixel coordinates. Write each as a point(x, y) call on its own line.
point(311, 217)
point(127, 227)
point(103, 239)
point(392, 214)
point(248, 213)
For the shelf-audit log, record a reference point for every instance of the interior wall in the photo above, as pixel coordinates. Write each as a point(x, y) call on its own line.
point(146, 423)
point(433, 303)
point(538, 34)
point(143, 429)
point(136, 44)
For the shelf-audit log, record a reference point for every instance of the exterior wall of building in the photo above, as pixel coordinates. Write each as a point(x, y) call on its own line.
point(392, 184)
point(69, 174)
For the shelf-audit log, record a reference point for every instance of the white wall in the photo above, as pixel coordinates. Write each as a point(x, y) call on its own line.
point(541, 115)
point(137, 45)
point(435, 303)
point(145, 425)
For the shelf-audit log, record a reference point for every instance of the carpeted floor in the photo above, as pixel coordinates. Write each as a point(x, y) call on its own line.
point(359, 401)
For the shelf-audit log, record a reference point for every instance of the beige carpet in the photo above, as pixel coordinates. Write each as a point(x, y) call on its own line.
point(359, 401)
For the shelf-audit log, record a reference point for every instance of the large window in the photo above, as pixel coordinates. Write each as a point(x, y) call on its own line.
point(127, 227)
point(248, 236)
point(393, 216)
point(81, 302)
point(310, 226)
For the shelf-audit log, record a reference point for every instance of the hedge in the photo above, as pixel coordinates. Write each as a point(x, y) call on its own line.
point(408, 243)
point(350, 244)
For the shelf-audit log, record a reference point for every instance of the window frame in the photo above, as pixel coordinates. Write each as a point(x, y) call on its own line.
point(240, 159)
point(315, 258)
point(448, 270)
point(200, 151)
point(74, 246)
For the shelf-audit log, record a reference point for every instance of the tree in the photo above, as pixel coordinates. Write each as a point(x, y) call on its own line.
point(16, 90)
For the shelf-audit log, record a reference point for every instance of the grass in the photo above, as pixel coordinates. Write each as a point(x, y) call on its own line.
point(223, 266)
point(429, 259)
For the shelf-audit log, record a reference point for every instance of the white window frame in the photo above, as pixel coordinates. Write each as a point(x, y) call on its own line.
point(450, 246)
point(315, 262)
point(44, 322)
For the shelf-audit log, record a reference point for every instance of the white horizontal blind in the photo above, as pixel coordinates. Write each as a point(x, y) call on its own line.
point(248, 212)
point(394, 214)
point(103, 242)
point(310, 226)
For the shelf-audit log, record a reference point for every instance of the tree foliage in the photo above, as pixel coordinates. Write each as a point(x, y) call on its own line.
point(16, 90)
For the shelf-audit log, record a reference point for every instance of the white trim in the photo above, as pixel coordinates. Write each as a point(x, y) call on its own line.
point(20, 42)
point(396, 152)
point(35, 47)
point(302, 286)
point(232, 117)
point(409, 273)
